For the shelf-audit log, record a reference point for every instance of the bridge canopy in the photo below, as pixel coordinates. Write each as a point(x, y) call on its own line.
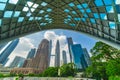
point(100, 18)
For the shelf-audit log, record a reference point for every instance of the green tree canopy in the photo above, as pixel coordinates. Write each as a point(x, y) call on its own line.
point(51, 72)
point(67, 70)
point(105, 61)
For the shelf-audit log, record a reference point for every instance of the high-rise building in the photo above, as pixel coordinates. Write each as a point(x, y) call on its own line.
point(41, 58)
point(70, 42)
point(7, 51)
point(87, 56)
point(57, 54)
point(78, 56)
point(64, 57)
point(2, 45)
point(31, 54)
point(27, 63)
point(17, 62)
point(50, 49)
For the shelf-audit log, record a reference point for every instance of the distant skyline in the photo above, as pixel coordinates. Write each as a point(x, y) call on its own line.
point(33, 40)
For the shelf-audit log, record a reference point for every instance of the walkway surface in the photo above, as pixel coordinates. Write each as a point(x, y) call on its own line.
point(47, 78)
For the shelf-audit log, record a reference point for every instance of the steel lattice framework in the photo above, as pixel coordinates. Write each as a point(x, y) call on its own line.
point(100, 18)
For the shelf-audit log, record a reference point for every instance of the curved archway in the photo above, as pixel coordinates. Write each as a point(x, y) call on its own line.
point(99, 18)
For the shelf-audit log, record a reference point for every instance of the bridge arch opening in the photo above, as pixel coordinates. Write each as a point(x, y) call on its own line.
point(113, 44)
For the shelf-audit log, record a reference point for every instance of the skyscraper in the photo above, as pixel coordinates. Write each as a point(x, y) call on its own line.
point(41, 58)
point(17, 62)
point(57, 54)
point(64, 57)
point(87, 56)
point(2, 45)
point(70, 42)
point(78, 56)
point(50, 49)
point(31, 54)
point(27, 63)
point(7, 51)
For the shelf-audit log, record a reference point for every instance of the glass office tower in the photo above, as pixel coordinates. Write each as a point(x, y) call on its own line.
point(78, 56)
point(7, 51)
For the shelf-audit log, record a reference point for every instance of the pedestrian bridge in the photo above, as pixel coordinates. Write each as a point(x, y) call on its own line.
point(97, 18)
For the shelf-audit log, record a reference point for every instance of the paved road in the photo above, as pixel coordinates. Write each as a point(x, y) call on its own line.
point(46, 78)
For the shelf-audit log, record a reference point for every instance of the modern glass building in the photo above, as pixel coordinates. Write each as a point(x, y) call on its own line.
point(87, 56)
point(7, 51)
point(64, 57)
point(78, 56)
point(31, 54)
point(2, 45)
point(70, 42)
point(17, 62)
point(57, 54)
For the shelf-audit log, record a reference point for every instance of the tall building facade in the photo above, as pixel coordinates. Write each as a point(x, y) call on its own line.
point(2, 45)
point(64, 57)
point(41, 61)
point(7, 51)
point(70, 42)
point(78, 56)
point(57, 54)
point(27, 63)
point(87, 56)
point(50, 50)
point(31, 54)
point(17, 62)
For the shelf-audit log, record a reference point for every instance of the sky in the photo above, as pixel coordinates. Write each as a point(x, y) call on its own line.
point(33, 40)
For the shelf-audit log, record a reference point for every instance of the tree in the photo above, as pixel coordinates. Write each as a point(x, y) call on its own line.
point(67, 70)
point(12, 74)
point(1, 75)
point(50, 72)
point(31, 74)
point(112, 68)
point(97, 70)
point(101, 55)
point(104, 51)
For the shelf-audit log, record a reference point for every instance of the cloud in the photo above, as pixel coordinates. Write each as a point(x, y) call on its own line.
point(75, 42)
point(117, 2)
point(50, 35)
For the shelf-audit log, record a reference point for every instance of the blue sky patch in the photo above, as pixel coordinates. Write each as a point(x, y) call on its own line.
point(2, 6)
point(98, 2)
point(71, 4)
point(20, 19)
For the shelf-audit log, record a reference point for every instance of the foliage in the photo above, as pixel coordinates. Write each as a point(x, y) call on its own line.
point(64, 71)
point(112, 68)
point(31, 74)
point(97, 70)
point(67, 70)
point(50, 72)
point(20, 75)
point(16, 78)
point(40, 75)
point(105, 61)
point(1, 75)
point(104, 51)
point(12, 74)
point(114, 78)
